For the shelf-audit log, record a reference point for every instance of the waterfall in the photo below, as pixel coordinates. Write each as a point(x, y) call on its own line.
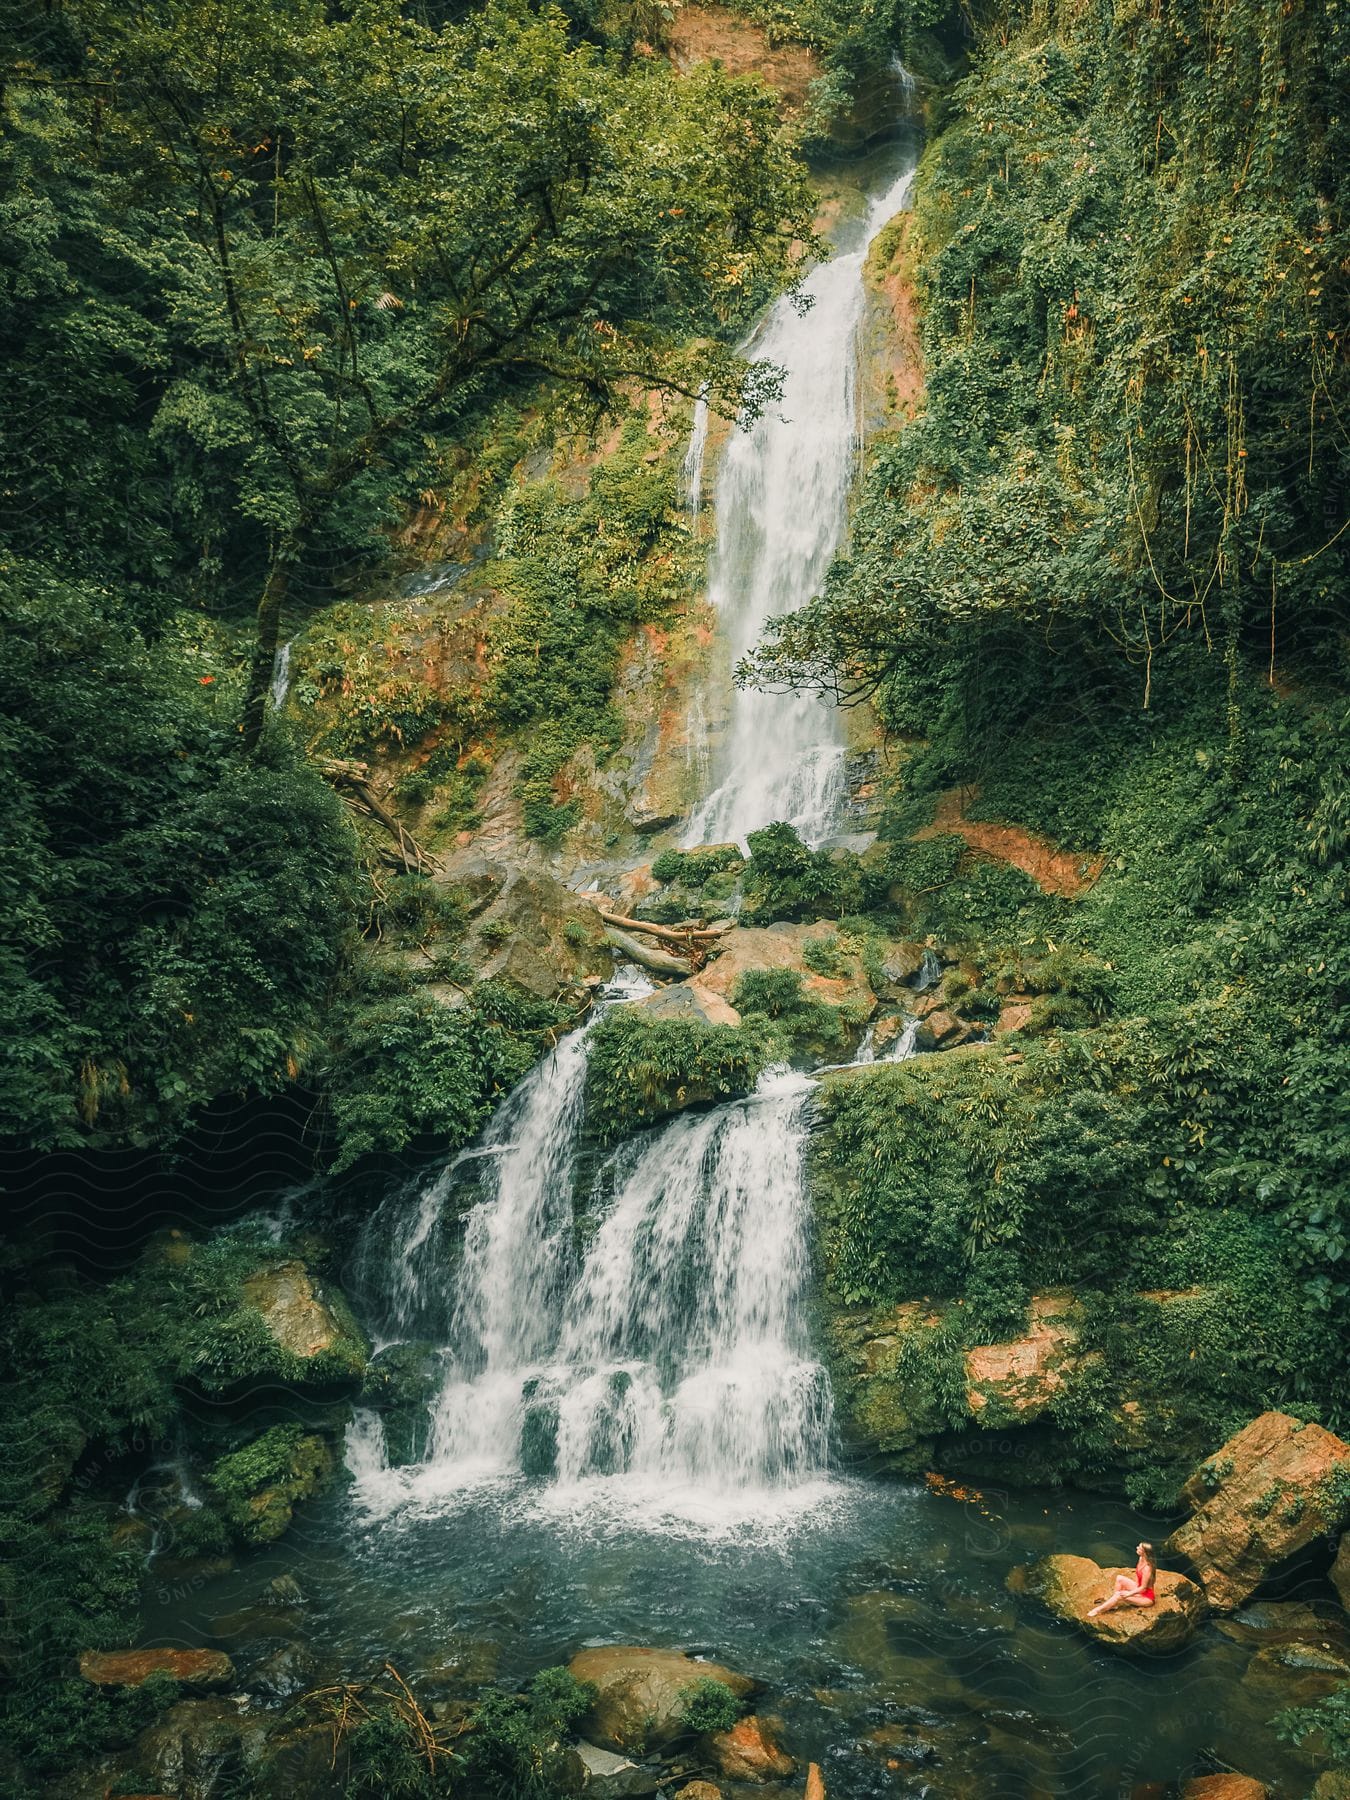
point(692, 471)
point(671, 1362)
point(639, 1337)
point(781, 498)
point(904, 1045)
point(281, 677)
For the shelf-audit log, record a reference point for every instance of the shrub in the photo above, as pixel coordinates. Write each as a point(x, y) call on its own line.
point(709, 1705)
point(641, 1069)
point(515, 1750)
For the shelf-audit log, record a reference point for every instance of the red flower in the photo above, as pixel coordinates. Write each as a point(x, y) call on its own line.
point(206, 680)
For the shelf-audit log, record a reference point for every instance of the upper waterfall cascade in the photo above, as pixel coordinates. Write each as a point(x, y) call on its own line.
point(638, 1331)
point(781, 502)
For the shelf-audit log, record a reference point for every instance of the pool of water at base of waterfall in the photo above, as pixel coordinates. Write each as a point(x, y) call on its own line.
point(874, 1611)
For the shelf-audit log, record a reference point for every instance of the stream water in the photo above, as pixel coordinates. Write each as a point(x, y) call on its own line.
point(630, 1439)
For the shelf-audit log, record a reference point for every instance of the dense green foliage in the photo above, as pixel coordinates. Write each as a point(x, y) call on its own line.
point(641, 1069)
point(408, 1067)
point(267, 273)
point(174, 912)
point(1101, 579)
point(709, 1705)
point(98, 1375)
point(1131, 249)
point(1172, 1116)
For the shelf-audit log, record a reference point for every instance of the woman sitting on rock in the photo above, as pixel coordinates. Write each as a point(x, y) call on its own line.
point(1136, 1590)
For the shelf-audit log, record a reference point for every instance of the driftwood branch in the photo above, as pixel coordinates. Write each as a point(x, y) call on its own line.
point(353, 778)
point(672, 934)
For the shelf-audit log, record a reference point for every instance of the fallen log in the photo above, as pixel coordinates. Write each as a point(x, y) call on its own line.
point(674, 934)
point(647, 956)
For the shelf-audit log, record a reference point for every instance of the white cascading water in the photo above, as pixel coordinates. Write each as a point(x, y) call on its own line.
point(280, 684)
point(667, 1365)
point(781, 501)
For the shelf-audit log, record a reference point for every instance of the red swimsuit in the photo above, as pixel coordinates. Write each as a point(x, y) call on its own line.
point(1141, 1574)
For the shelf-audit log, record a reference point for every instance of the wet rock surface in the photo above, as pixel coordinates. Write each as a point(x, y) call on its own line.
point(606, 1774)
point(750, 1750)
point(1070, 1586)
point(1267, 1494)
point(293, 1310)
point(201, 1669)
point(641, 1694)
point(1020, 1377)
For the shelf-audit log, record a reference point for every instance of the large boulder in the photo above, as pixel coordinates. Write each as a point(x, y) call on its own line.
point(1070, 1586)
point(641, 1694)
point(1267, 1494)
point(748, 948)
point(750, 1751)
point(303, 1323)
point(202, 1750)
point(260, 1485)
point(533, 933)
point(197, 1669)
point(688, 1000)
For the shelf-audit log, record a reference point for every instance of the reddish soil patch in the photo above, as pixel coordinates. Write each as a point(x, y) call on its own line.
point(716, 34)
point(1054, 871)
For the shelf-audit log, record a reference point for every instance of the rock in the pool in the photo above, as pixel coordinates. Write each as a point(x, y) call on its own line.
point(1070, 1586)
point(641, 1694)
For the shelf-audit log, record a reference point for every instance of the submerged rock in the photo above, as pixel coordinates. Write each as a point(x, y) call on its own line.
point(1268, 1493)
point(202, 1750)
point(750, 1751)
point(1224, 1787)
point(1070, 1586)
point(641, 1694)
point(201, 1669)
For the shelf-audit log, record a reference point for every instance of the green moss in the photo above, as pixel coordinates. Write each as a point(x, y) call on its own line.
point(259, 1486)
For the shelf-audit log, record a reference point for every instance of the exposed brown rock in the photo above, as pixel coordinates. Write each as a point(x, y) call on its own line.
point(699, 1790)
point(750, 1751)
point(1070, 1586)
point(688, 1000)
point(815, 1783)
point(717, 33)
point(1260, 1499)
point(292, 1310)
point(201, 1669)
point(750, 947)
point(1023, 1376)
point(1224, 1787)
point(641, 1693)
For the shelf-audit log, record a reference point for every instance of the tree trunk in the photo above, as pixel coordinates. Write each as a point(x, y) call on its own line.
point(268, 632)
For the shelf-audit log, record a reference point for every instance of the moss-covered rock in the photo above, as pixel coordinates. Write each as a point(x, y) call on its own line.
point(1269, 1492)
point(260, 1485)
point(306, 1325)
point(643, 1069)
